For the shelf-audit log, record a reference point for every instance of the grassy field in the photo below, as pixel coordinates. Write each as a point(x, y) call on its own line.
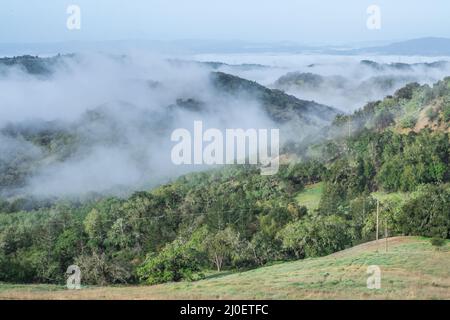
point(411, 269)
point(310, 196)
point(399, 197)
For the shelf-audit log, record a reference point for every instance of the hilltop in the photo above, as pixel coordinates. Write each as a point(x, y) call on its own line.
point(280, 106)
point(411, 108)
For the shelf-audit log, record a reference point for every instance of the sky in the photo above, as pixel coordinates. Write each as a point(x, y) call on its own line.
point(302, 21)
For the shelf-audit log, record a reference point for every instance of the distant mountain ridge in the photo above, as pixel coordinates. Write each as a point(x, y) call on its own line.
point(429, 46)
point(426, 46)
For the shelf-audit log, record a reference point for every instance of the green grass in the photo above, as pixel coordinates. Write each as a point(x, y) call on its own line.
point(310, 196)
point(6, 287)
point(392, 196)
point(411, 269)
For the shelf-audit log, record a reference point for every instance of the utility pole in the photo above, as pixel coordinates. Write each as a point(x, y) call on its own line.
point(378, 213)
point(386, 234)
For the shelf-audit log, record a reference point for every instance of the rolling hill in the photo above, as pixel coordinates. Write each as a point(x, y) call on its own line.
point(280, 106)
point(410, 269)
point(30, 147)
point(234, 219)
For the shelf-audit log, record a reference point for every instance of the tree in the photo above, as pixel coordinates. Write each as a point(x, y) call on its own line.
point(221, 246)
point(178, 260)
point(316, 236)
point(383, 119)
point(428, 214)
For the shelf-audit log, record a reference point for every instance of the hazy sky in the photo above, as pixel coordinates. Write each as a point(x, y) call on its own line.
point(305, 21)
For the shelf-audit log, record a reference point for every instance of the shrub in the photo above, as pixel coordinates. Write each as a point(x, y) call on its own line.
point(383, 119)
point(316, 236)
point(407, 91)
point(408, 122)
point(427, 215)
point(446, 112)
point(176, 261)
point(432, 114)
point(99, 269)
point(437, 242)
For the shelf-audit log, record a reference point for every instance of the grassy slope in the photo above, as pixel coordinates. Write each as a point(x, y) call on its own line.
point(411, 269)
point(310, 196)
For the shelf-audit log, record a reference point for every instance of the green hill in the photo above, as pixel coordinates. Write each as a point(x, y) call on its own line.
point(232, 218)
point(410, 269)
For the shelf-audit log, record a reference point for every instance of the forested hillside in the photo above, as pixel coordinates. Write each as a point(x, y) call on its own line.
point(351, 86)
point(133, 129)
point(233, 218)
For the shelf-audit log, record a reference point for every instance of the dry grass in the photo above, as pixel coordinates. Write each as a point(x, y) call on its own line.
point(411, 269)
